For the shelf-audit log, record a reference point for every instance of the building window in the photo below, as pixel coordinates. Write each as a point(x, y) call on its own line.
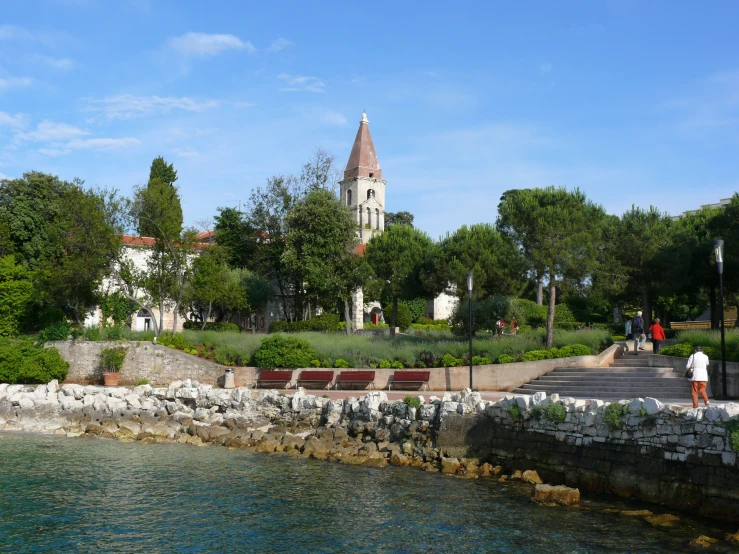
point(377, 215)
point(372, 174)
point(369, 218)
point(349, 198)
point(370, 194)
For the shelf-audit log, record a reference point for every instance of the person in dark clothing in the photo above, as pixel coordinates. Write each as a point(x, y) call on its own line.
point(637, 329)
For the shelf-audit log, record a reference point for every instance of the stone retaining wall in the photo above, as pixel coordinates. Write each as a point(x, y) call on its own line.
point(715, 379)
point(162, 365)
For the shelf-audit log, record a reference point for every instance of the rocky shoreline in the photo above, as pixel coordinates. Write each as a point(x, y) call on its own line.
point(373, 431)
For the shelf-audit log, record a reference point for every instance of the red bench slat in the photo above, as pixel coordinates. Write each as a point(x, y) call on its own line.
point(411, 376)
point(357, 376)
point(316, 376)
point(275, 376)
point(420, 377)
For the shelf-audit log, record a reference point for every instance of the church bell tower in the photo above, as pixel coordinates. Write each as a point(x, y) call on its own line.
point(363, 189)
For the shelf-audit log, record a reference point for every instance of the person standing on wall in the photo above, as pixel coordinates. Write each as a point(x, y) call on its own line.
point(637, 329)
point(657, 334)
point(698, 374)
point(627, 329)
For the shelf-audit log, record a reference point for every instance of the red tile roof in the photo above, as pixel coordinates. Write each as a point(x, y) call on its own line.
point(360, 249)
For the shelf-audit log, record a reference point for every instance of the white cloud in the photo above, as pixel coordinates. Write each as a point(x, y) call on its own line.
point(278, 45)
point(48, 131)
point(186, 152)
point(300, 83)
point(545, 68)
point(127, 106)
point(204, 45)
point(11, 120)
point(62, 64)
point(326, 116)
point(14, 32)
point(102, 143)
point(9, 82)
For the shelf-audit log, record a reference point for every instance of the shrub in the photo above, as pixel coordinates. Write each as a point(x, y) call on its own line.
point(506, 359)
point(732, 433)
point(449, 361)
point(555, 412)
point(571, 350)
point(176, 340)
point(397, 365)
point(284, 351)
point(380, 325)
point(529, 312)
point(342, 363)
point(683, 350)
point(24, 362)
point(534, 355)
point(114, 333)
point(412, 402)
point(405, 316)
point(536, 412)
point(606, 342)
point(563, 318)
point(515, 411)
point(217, 326)
point(323, 322)
point(140, 382)
point(481, 360)
point(612, 415)
point(384, 364)
point(111, 359)
point(56, 331)
point(92, 333)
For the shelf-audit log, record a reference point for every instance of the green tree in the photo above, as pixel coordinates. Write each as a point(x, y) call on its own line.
point(162, 171)
point(319, 249)
point(496, 263)
point(398, 218)
point(16, 291)
point(557, 230)
point(403, 261)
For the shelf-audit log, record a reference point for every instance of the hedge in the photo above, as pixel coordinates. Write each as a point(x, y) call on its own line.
point(218, 326)
point(284, 351)
point(323, 322)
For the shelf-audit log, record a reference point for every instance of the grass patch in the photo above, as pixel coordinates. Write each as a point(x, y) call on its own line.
point(555, 412)
point(140, 382)
point(613, 414)
point(515, 411)
point(732, 433)
point(412, 402)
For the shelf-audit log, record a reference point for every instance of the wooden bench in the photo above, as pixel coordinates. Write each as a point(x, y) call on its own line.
point(356, 378)
point(274, 377)
point(410, 378)
point(323, 377)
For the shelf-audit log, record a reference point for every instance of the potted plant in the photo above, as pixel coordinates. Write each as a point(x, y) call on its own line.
point(111, 362)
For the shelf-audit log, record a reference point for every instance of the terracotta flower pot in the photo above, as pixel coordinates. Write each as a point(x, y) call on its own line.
point(111, 379)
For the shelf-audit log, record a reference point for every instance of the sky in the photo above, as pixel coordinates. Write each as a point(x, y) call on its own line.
point(635, 103)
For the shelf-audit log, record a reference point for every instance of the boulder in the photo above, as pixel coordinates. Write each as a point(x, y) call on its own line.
point(450, 465)
point(733, 538)
point(636, 513)
point(556, 495)
point(531, 476)
point(538, 398)
point(652, 406)
point(703, 541)
point(663, 520)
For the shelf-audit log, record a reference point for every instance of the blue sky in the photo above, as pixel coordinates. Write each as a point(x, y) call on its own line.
point(633, 102)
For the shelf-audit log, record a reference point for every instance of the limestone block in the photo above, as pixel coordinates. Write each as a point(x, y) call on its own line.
point(635, 405)
point(554, 397)
point(523, 402)
point(450, 465)
point(728, 458)
point(186, 392)
point(730, 410)
point(25, 402)
point(531, 476)
point(447, 408)
point(133, 401)
point(713, 413)
point(69, 404)
point(40, 391)
point(428, 412)
point(538, 398)
point(652, 406)
point(117, 393)
point(548, 494)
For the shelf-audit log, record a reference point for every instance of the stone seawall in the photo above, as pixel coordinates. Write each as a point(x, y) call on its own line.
point(162, 365)
point(663, 454)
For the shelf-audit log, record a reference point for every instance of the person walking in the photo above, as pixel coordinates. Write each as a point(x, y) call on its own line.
point(627, 328)
point(657, 334)
point(698, 363)
point(637, 330)
point(514, 325)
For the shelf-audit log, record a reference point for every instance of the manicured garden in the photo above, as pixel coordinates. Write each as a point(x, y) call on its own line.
point(709, 340)
point(333, 350)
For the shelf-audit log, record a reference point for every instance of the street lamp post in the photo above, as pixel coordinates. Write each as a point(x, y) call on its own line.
point(469, 300)
point(718, 248)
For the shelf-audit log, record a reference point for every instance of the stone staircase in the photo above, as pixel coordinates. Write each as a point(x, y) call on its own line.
point(626, 377)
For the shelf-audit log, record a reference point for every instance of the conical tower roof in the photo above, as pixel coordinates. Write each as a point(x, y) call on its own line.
point(363, 159)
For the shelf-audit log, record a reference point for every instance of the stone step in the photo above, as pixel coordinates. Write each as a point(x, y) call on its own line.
point(611, 384)
point(618, 369)
point(608, 379)
point(636, 360)
point(615, 397)
point(616, 374)
point(595, 391)
point(563, 393)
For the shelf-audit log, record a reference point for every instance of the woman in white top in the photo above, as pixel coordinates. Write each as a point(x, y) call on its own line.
point(698, 362)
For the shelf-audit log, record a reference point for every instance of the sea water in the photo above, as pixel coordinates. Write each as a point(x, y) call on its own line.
point(94, 495)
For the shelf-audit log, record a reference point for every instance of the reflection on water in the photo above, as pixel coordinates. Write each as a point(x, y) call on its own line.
point(85, 495)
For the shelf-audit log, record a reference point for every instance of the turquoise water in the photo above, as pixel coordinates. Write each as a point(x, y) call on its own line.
point(91, 495)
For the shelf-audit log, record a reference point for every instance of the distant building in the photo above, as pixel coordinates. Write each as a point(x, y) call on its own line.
point(721, 204)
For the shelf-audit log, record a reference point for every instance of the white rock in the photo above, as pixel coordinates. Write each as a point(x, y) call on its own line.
point(538, 397)
point(40, 391)
point(133, 401)
point(428, 412)
point(635, 405)
point(147, 405)
point(730, 410)
point(446, 397)
point(88, 399)
point(53, 385)
point(25, 402)
point(187, 383)
point(523, 402)
point(713, 413)
point(554, 397)
point(188, 392)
